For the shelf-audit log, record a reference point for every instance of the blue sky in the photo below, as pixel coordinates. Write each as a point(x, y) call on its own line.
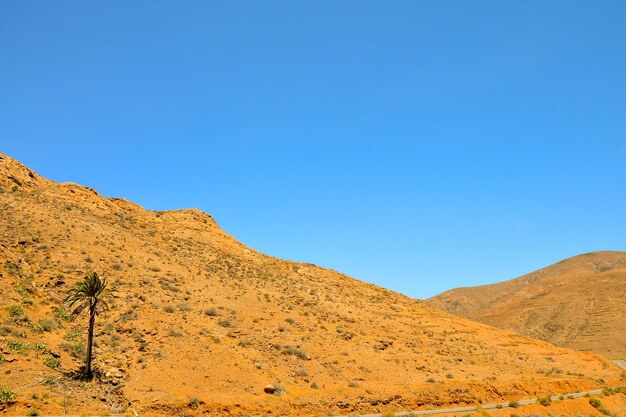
point(418, 145)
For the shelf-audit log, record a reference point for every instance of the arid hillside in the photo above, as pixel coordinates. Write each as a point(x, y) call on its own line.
point(577, 303)
point(201, 323)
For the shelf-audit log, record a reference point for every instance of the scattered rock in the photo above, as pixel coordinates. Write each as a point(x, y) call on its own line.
point(269, 389)
point(114, 373)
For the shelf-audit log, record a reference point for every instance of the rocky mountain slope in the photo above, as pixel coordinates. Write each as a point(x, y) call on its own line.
point(577, 303)
point(201, 323)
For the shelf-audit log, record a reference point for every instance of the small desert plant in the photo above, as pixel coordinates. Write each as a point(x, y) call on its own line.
point(48, 325)
point(6, 396)
point(33, 412)
point(211, 312)
point(174, 333)
point(595, 403)
point(15, 311)
point(289, 351)
point(513, 404)
point(71, 336)
point(545, 401)
point(15, 346)
point(75, 349)
point(388, 414)
point(193, 403)
point(52, 361)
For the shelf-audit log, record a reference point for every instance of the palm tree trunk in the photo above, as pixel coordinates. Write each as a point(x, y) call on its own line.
point(92, 320)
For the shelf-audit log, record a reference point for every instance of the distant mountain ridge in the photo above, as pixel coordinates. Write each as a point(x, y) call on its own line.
point(579, 303)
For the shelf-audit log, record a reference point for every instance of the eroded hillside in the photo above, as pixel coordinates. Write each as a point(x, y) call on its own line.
point(202, 323)
point(576, 303)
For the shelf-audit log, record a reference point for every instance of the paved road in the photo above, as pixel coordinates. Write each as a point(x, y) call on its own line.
point(484, 407)
point(621, 363)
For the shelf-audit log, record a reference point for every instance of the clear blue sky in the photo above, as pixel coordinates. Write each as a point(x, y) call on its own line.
point(418, 145)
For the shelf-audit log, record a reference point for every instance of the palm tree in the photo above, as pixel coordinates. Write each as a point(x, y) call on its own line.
point(91, 292)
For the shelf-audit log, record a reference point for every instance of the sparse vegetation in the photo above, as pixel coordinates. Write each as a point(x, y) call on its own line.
point(314, 330)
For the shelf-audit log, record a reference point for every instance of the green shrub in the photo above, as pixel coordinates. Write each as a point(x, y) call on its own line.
point(513, 404)
point(33, 412)
point(71, 336)
point(595, 403)
point(545, 401)
point(15, 311)
point(6, 396)
point(15, 346)
point(60, 313)
point(52, 361)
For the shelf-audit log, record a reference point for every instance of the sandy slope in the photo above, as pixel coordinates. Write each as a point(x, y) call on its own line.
point(202, 323)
